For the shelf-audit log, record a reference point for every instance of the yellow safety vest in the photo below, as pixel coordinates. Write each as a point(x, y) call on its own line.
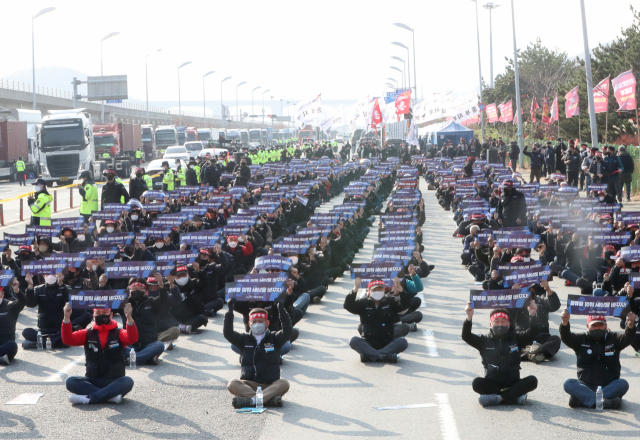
point(181, 177)
point(20, 166)
point(42, 209)
point(89, 203)
point(197, 170)
point(119, 180)
point(106, 156)
point(148, 180)
point(138, 154)
point(168, 179)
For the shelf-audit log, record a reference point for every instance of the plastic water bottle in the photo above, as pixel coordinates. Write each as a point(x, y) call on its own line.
point(132, 359)
point(599, 399)
point(39, 341)
point(259, 398)
point(49, 344)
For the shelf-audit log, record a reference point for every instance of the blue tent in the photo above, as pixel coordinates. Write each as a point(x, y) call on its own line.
point(450, 131)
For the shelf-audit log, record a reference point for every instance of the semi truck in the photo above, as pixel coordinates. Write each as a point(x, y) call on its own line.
point(166, 136)
point(192, 134)
point(148, 142)
point(255, 138)
point(204, 134)
point(182, 135)
point(13, 144)
point(120, 141)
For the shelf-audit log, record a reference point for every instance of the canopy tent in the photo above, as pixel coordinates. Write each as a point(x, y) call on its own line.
point(444, 132)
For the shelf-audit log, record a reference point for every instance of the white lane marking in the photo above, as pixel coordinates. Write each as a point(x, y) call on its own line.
point(417, 405)
point(447, 421)
point(58, 375)
point(423, 304)
point(430, 342)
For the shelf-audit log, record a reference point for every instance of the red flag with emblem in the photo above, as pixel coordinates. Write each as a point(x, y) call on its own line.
point(403, 103)
point(534, 107)
point(376, 115)
point(545, 111)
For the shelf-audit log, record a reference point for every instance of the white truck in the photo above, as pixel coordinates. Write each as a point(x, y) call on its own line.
point(66, 146)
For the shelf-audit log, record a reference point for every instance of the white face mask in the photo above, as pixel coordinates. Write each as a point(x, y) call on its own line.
point(258, 328)
point(159, 245)
point(377, 295)
point(233, 244)
point(527, 259)
point(294, 260)
point(81, 237)
point(110, 230)
point(50, 279)
point(134, 217)
point(221, 211)
point(601, 199)
point(43, 248)
point(39, 187)
point(182, 281)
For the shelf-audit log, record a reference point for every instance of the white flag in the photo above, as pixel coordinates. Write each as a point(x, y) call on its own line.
point(336, 117)
point(467, 112)
point(326, 126)
point(412, 136)
point(309, 112)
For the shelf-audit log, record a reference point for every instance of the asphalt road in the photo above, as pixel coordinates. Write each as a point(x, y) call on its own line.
point(332, 394)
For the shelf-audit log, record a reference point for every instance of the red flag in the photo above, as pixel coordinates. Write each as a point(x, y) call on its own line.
point(506, 112)
point(403, 103)
point(376, 116)
point(571, 107)
point(534, 107)
point(492, 113)
point(545, 111)
point(624, 87)
point(601, 96)
point(515, 118)
point(554, 111)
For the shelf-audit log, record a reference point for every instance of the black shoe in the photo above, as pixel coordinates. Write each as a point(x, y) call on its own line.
point(612, 403)
point(413, 327)
point(275, 402)
point(574, 402)
point(389, 358)
point(242, 402)
point(363, 359)
point(316, 299)
point(28, 345)
point(294, 334)
point(431, 267)
point(211, 313)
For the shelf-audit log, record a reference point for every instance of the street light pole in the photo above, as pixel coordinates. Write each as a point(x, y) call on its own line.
point(490, 6)
point(146, 79)
point(204, 100)
point(399, 70)
point(224, 120)
point(408, 62)
point(179, 97)
point(33, 52)
point(515, 64)
point(112, 34)
point(268, 90)
point(479, 69)
point(252, 113)
point(237, 107)
point(587, 60)
point(413, 39)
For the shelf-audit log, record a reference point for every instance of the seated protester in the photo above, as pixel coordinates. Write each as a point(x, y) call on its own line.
point(104, 351)
point(145, 314)
point(166, 324)
point(135, 221)
point(419, 239)
point(43, 247)
point(81, 318)
point(501, 383)
point(9, 312)
point(412, 284)
point(214, 269)
point(422, 268)
point(378, 314)
point(214, 219)
point(190, 312)
point(307, 267)
point(598, 359)
point(259, 359)
point(469, 241)
point(50, 299)
point(162, 245)
point(265, 231)
point(544, 345)
point(239, 251)
point(618, 276)
point(341, 254)
point(137, 252)
point(107, 227)
point(24, 254)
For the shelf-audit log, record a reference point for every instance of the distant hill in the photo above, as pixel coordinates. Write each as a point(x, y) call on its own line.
point(53, 77)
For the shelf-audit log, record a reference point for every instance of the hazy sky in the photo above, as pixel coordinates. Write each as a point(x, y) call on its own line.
point(295, 48)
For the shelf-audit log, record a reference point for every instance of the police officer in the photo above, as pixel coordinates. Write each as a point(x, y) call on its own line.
point(40, 204)
point(113, 191)
point(20, 168)
point(138, 185)
point(139, 157)
point(106, 155)
point(167, 178)
point(598, 359)
point(180, 174)
point(500, 351)
point(89, 193)
point(104, 348)
point(147, 179)
point(198, 171)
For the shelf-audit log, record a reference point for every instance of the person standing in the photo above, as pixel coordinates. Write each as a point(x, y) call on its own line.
point(113, 191)
point(89, 194)
point(573, 162)
point(139, 157)
point(514, 153)
point(138, 185)
point(512, 208)
point(627, 170)
point(20, 168)
point(598, 360)
point(104, 345)
point(40, 204)
point(167, 177)
point(536, 161)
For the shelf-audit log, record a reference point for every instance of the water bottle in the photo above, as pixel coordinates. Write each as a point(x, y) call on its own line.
point(49, 344)
point(259, 398)
point(599, 399)
point(39, 343)
point(132, 359)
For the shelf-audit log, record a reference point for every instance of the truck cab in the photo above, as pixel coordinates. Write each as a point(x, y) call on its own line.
point(204, 134)
point(66, 145)
point(254, 138)
point(182, 135)
point(148, 142)
point(192, 134)
point(166, 136)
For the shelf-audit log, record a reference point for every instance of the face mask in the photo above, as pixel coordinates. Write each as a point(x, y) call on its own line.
point(25, 257)
point(139, 175)
point(134, 217)
point(137, 295)
point(159, 245)
point(377, 295)
point(182, 281)
point(81, 237)
point(294, 260)
point(103, 319)
point(129, 252)
point(50, 279)
point(597, 335)
point(39, 187)
point(110, 230)
point(190, 167)
point(601, 199)
point(43, 249)
point(526, 259)
point(258, 328)
point(68, 239)
point(233, 245)
point(500, 330)
point(221, 211)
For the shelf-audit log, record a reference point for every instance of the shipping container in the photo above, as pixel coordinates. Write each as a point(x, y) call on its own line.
point(13, 141)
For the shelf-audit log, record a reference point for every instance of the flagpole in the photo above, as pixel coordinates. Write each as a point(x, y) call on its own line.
point(606, 123)
point(579, 131)
point(517, 78)
point(587, 65)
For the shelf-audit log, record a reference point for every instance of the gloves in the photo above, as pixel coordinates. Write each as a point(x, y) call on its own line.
point(231, 304)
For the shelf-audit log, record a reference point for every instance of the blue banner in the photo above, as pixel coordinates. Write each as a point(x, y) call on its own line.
point(130, 269)
point(493, 299)
point(596, 305)
point(41, 267)
point(96, 299)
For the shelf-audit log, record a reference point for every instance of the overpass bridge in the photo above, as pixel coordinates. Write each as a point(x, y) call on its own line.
point(15, 94)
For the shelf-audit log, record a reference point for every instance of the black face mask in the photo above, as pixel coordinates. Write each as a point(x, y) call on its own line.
point(597, 335)
point(500, 330)
point(137, 295)
point(128, 252)
point(25, 257)
point(103, 319)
